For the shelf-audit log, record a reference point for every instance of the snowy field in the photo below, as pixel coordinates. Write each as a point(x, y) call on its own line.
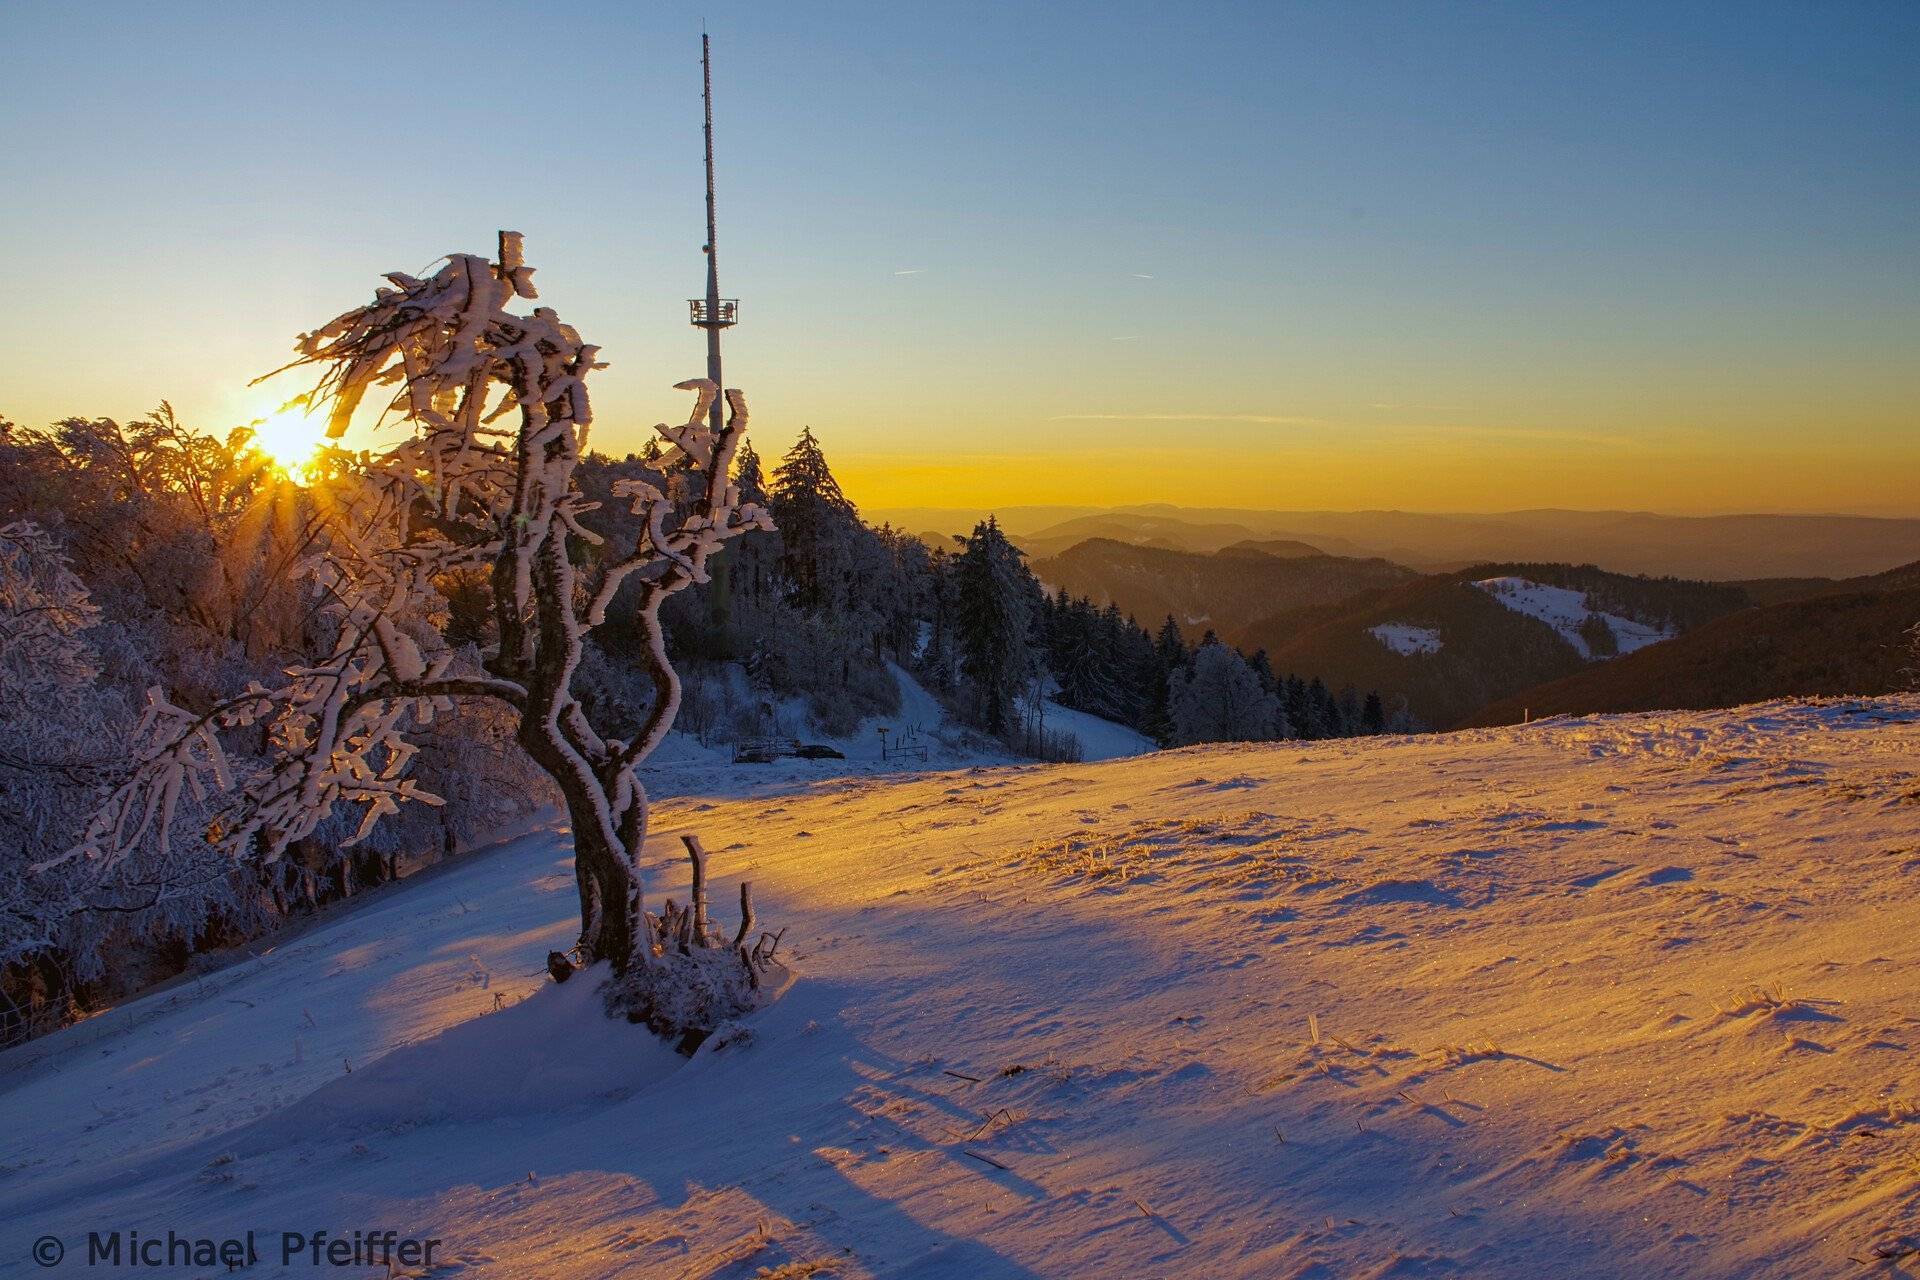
point(1406, 639)
point(1565, 611)
point(1628, 996)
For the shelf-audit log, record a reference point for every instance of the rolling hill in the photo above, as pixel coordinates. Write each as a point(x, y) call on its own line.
point(1165, 532)
point(1720, 548)
point(1285, 548)
point(1451, 644)
point(1223, 591)
point(1855, 638)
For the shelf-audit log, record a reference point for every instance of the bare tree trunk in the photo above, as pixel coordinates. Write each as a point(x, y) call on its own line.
point(609, 899)
point(554, 732)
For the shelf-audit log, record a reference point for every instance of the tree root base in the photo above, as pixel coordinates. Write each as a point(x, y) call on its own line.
point(690, 981)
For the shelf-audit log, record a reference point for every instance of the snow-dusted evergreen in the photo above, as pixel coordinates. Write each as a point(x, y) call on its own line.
point(996, 603)
point(1216, 697)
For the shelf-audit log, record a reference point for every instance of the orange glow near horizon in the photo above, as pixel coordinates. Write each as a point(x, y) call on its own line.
point(291, 437)
point(1681, 482)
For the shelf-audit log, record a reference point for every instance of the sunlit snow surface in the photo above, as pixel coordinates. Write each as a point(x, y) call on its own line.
point(1625, 997)
point(1565, 610)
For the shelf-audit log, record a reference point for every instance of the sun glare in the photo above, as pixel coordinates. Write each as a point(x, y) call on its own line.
point(291, 438)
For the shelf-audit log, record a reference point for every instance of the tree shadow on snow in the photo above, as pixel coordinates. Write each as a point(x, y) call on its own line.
point(855, 1147)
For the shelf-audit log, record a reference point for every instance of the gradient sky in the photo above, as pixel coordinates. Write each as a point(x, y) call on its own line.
point(1439, 257)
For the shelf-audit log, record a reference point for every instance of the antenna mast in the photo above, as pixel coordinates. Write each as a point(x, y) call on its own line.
point(712, 313)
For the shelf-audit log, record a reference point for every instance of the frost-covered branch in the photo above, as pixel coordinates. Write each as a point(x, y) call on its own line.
point(43, 609)
point(481, 490)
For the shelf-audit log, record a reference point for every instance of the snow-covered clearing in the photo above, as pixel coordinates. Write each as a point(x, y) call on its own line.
point(1566, 610)
point(1406, 639)
point(1099, 739)
point(1629, 996)
point(920, 721)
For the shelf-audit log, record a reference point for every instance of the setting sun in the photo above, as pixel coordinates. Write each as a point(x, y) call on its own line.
point(290, 437)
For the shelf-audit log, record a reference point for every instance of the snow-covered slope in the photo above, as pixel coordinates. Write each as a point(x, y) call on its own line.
point(1629, 996)
point(1406, 639)
point(684, 763)
point(1566, 611)
point(1099, 739)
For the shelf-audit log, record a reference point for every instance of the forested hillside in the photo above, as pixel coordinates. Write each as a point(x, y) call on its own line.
point(1850, 639)
point(1453, 643)
point(1223, 591)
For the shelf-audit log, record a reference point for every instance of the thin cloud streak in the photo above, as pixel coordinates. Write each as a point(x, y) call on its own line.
point(1382, 433)
point(1262, 418)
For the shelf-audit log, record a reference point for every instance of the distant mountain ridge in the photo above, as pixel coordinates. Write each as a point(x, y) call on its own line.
point(1223, 591)
point(1285, 548)
point(1716, 548)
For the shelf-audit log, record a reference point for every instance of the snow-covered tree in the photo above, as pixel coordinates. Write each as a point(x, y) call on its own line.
point(1216, 697)
point(45, 667)
point(481, 492)
point(752, 561)
point(43, 609)
point(60, 726)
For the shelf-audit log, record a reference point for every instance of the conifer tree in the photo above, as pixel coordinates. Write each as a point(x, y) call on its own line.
point(1169, 653)
point(1348, 707)
point(996, 600)
point(1118, 699)
point(939, 658)
point(818, 525)
point(1171, 645)
point(1262, 668)
point(1299, 711)
point(753, 559)
point(747, 474)
point(1321, 713)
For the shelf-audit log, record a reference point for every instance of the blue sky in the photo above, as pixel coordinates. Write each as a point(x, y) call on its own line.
point(1279, 255)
